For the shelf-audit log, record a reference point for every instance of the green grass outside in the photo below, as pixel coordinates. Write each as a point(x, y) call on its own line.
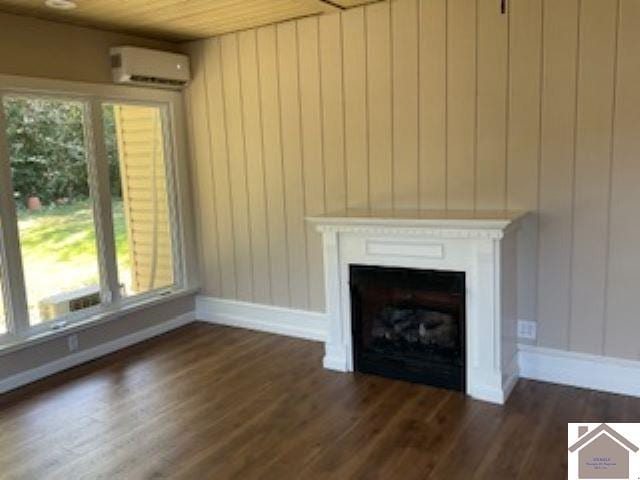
point(59, 250)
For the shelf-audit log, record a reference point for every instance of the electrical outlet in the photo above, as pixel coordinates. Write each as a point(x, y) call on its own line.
point(72, 342)
point(527, 329)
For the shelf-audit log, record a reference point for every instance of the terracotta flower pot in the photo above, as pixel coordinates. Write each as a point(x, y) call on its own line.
point(33, 203)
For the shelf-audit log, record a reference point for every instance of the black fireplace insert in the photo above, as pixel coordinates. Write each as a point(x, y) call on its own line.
point(409, 324)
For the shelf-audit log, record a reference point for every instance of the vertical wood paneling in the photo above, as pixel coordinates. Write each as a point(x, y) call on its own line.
point(525, 54)
point(312, 150)
point(621, 334)
point(593, 148)
point(201, 162)
point(461, 101)
point(433, 104)
point(292, 163)
point(332, 112)
point(379, 101)
point(556, 171)
point(237, 165)
point(491, 138)
point(404, 16)
point(252, 121)
point(355, 106)
point(220, 166)
point(272, 149)
point(196, 154)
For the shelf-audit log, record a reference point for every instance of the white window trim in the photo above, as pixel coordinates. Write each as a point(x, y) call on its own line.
point(10, 344)
point(93, 96)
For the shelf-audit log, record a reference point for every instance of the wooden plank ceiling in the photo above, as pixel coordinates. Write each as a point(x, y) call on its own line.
point(178, 20)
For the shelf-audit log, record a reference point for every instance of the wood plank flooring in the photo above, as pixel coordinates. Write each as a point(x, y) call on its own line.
point(213, 402)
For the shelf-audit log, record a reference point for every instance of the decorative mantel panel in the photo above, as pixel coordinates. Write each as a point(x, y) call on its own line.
point(480, 244)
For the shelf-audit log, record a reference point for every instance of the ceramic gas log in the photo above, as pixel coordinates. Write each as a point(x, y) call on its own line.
point(409, 324)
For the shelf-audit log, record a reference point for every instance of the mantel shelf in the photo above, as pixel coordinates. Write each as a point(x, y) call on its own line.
point(458, 219)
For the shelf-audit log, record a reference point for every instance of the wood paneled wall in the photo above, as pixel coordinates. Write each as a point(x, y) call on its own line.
point(430, 104)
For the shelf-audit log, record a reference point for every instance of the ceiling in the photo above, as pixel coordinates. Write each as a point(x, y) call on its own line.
point(178, 20)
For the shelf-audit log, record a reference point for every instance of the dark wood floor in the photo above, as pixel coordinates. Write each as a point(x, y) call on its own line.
point(213, 402)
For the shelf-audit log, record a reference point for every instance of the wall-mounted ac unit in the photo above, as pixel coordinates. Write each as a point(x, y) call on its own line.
point(151, 68)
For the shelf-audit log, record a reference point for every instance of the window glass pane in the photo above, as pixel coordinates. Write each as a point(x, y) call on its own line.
point(138, 178)
point(55, 216)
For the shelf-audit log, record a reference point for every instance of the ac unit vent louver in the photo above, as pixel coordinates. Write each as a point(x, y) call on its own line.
point(160, 81)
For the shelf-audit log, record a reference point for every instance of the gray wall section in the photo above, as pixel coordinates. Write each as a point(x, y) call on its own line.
point(49, 351)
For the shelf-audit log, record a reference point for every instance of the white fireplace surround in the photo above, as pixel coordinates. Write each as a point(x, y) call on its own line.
point(480, 244)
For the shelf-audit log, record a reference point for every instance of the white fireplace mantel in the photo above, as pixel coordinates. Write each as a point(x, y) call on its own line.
point(480, 244)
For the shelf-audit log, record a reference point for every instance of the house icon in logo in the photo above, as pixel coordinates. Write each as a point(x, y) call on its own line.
point(602, 453)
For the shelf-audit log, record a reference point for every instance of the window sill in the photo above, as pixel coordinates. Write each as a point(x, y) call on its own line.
point(12, 344)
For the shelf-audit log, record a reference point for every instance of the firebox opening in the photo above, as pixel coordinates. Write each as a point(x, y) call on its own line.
point(409, 324)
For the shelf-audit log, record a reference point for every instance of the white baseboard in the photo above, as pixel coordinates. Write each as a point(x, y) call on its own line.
point(83, 356)
point(511, 375)
point(537, 363)
point(488, 394)
point(594, 372)
point(265, 318)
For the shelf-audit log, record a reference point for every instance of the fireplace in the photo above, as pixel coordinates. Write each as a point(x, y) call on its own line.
point(446, 281)
point(409, 324)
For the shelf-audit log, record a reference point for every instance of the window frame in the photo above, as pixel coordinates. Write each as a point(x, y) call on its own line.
point(92, 97)
point(172, 200)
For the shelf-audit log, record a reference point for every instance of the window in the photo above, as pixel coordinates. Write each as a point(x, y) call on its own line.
point(53, 203)
point(139, 200)
point(87, 205)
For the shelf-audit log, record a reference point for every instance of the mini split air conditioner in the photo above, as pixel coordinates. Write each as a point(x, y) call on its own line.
point(151, 68)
